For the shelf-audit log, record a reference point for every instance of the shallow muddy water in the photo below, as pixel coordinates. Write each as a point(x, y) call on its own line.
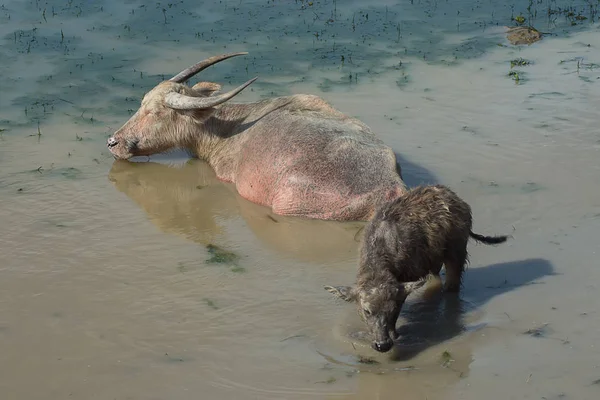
point(153, 280)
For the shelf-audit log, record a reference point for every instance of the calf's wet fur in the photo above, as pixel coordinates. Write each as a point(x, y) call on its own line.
point(405, 243)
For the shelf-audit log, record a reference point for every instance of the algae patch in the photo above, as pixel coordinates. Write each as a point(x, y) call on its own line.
point(367, 360)
point(446, 359)
point(219, 255)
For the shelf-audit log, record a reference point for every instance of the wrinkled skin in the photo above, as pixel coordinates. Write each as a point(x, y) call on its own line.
point(406, 243)
point(190, 201)
point(295, 154)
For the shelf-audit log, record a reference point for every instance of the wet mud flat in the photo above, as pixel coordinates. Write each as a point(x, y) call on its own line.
point(152, 279)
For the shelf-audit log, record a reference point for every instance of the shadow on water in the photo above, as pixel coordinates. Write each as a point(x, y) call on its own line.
point(439, 316)
point(414, 174)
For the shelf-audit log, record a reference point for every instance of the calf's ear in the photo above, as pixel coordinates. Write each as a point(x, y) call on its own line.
point(346, 293)
point(412, 286)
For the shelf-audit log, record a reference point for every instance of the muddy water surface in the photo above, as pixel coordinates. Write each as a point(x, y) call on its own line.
point(153, 280)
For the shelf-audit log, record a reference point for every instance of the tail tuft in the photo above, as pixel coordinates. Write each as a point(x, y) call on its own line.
point(489, 239)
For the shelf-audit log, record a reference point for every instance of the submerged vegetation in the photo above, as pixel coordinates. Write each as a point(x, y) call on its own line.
point(519, 62)
point(367, 360)
point(516, 76)
point(210, 303)
point(446, 359)
point(222, 256)
point(348, 45)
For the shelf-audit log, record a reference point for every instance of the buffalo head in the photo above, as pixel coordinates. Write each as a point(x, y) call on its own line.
point(170, 113)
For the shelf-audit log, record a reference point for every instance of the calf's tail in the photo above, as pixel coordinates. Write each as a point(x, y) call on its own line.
point(489, 239)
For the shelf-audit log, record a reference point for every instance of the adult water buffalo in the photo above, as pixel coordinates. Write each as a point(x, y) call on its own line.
point(295, 154)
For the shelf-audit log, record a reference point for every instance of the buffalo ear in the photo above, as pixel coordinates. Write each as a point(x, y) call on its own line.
point(205, 89)
point(345, 293)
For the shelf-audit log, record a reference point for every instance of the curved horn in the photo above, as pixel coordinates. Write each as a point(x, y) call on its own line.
point(194, 69)
point(180, 101)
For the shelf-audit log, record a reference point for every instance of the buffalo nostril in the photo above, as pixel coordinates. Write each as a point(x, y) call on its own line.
point(111, 142)
point(383, 347)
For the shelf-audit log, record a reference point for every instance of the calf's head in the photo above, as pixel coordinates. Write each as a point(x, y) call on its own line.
point(170, 113)
point(379, 306)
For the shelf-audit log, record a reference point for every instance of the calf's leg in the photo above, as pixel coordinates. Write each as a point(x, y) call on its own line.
point(455, 258)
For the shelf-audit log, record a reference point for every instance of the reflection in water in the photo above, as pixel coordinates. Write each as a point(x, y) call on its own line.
point(191, 201)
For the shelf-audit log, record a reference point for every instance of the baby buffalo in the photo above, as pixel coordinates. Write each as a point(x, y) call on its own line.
point(405, 242)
